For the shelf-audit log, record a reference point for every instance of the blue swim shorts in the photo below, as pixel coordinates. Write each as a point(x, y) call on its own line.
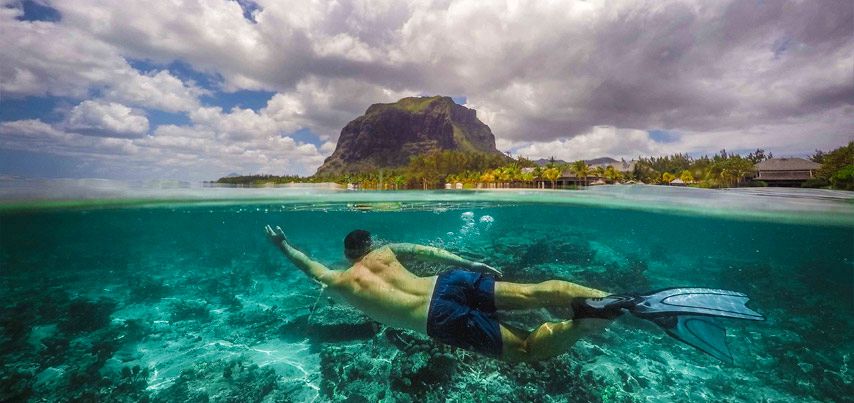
point(462, 312)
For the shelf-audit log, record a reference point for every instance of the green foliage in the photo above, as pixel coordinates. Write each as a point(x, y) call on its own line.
point(581, 170)
point(836, 166)
point(260, 180)
point(415, 104)
point(720, 170)
point(551, 174)
point(843, 178)
point(814, 183)
point(730, 171)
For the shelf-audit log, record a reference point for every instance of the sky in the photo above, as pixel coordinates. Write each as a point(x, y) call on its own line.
point(199, 89)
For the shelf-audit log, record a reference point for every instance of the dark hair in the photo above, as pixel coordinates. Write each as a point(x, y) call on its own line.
point(357, 244)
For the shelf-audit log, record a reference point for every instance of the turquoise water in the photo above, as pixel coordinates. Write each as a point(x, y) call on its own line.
point(163, 294)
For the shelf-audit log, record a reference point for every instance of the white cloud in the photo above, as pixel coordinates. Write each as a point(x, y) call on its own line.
point(601, 141)
point(107, 119)
point(155, 90)
point(49, 59)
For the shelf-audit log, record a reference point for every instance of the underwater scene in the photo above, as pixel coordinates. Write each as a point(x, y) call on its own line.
point(180, 297)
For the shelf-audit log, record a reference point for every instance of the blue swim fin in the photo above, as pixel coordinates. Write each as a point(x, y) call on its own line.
point(687, 314)
point(694, 301)
point(701, 332)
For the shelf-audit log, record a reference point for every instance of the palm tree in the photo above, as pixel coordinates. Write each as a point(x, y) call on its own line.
point(526, 177)
point(551, 174)
point(487, 178)
point(500, 176)
point(599, 172)
point(667, 177)
point(581, 169)
point(538, 173)
point(610, 174)
point(514, 173)
point(398, 181)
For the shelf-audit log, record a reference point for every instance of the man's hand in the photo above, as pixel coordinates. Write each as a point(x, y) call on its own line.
point(485, 267)
point(278, 236)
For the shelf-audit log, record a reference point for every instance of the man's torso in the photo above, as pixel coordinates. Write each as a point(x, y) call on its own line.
point(382, 288)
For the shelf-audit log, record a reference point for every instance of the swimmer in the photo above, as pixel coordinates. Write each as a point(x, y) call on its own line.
point(458, 307)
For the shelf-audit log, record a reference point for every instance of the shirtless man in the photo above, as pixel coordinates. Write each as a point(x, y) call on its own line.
point(457, 307)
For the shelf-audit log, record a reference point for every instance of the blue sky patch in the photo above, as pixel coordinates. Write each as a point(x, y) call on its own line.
point(44, 108)
point(249, 8)
point(459, 100)
point(37, 11)
point(662, 136)
point(244, 99)
point(305, 135)
point(35, 164)
point(158, 117)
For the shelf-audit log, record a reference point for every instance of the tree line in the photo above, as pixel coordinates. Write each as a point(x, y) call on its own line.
point(479, 170)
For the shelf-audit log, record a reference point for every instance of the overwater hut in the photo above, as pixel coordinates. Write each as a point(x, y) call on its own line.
point(785, 171)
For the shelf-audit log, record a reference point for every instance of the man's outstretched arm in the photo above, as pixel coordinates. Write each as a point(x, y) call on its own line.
point(313, 269)
point(434, 254)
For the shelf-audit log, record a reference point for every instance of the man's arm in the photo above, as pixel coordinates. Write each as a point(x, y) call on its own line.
point(313, 269)
point(434, 254)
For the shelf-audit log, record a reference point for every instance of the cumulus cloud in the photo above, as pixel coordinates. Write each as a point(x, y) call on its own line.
point(108, 119)
point(59, 59)
point(566, 78)
point(598, 142)
point(155, 90)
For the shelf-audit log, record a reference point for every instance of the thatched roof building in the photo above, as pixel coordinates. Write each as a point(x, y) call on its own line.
point(786, 171)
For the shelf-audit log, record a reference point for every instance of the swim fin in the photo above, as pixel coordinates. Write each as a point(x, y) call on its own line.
point(694, 301)
point(701, 332)
point(686, 314)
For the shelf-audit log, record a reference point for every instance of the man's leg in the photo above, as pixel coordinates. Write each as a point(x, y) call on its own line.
point(552, 293)
point(548, 340)
point(551, 338)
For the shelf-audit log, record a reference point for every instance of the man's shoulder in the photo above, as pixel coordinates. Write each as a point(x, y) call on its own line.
point(384, 250)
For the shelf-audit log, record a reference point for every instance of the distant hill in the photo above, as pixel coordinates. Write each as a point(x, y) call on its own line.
point(595, 161)
point(388, 135)
point(601, 161)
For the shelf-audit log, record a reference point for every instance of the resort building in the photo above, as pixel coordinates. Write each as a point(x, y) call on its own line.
point(785, 171)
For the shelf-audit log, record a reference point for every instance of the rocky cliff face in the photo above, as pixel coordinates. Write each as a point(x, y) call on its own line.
point(387, 135)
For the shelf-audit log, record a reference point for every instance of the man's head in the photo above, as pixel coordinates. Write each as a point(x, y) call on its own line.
point(357, 244)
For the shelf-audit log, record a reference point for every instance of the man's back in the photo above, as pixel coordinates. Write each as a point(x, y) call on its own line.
point(382, 288)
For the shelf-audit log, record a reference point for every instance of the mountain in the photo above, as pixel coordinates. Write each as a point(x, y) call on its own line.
point(387, 135)
point(543, 161)
point(604, 161)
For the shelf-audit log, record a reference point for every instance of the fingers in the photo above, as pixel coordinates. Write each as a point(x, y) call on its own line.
point(281, 232)
point(269, 230)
